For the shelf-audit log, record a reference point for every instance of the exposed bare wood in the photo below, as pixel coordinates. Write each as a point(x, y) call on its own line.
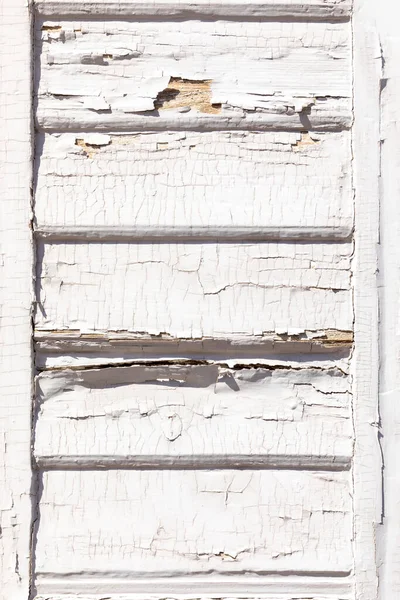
point(322, 338)
point(187, 93)
point(59, 349)
point(282, 75)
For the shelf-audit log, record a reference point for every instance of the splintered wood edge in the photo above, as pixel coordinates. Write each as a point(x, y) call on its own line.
point(63, 339)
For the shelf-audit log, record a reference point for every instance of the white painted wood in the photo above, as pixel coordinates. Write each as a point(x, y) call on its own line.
point(285, 587)
point(195, 290)
point(310, 9)
point(326, 114)
point(367, 454)
point(388, 69)
point(162, 184)
point(205, 224)
point(15, 300)
point(104, 72)
point(199, 233)
point(163, 523)
point(318, 349)
point(146, 414)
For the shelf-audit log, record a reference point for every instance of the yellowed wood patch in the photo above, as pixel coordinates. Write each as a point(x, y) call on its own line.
point(187, 93)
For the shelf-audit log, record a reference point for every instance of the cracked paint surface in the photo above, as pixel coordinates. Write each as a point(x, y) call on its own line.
point(193, 426)
point(201, 410)
point(104, 71)
point(266, 520)
point(16, 260)
point(220, 179)
point(143, 287)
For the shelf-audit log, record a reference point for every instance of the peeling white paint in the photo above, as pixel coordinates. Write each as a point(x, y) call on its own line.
point(289, 70)
point(209, 180)
point(194, 410)
point(203, 426)
point(17, 490)
point(281, 9)
point(148, 523)
point(195, 290)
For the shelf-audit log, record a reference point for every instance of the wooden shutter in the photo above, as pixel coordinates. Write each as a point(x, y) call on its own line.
point(201, 409)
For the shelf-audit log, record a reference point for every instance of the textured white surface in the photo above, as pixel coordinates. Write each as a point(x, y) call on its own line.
point(311, 9)
point(169, 229)
point(101, 72)
point(194, 410)
point(177, 522)
point(16, 262)
point(210, 180)
point(367, 470)
point(195, 290)
point(389, 269)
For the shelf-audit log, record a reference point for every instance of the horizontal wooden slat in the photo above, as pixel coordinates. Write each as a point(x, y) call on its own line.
point(319, 349)
point(192, 234)
point(285, 587)
point(188, 185)
point(195, 290)
point(270, 9)
point(215, 74)
point(141, 415)
point(170, 523)
point(195, 462)
point(326, 115)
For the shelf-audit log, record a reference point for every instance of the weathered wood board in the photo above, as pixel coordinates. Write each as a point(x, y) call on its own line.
point(164, 523)
point(224, 73)
point(147, 413)
point(195, 290)
point(202, 425)
point(268, 9)
point(211, 189)
point(209, 180)
point(16, 263)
